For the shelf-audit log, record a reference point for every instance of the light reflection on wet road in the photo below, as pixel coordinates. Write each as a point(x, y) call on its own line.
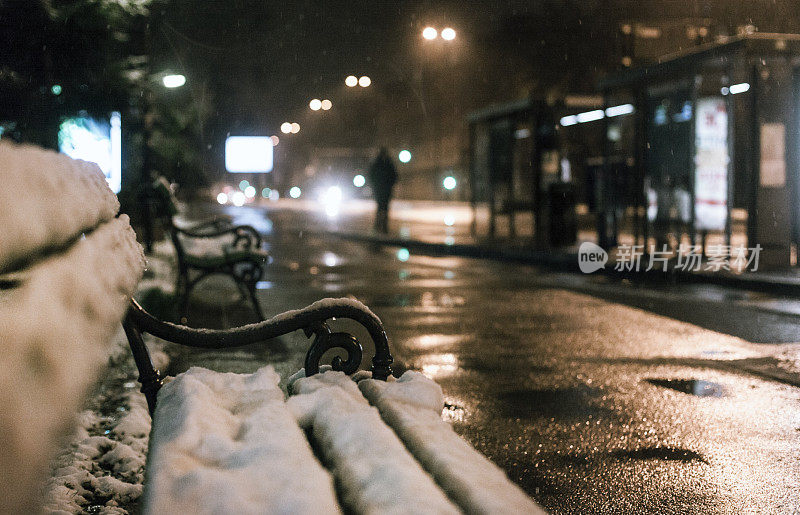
point(591, 406)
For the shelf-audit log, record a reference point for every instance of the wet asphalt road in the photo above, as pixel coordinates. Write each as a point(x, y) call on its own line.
point(588, 402)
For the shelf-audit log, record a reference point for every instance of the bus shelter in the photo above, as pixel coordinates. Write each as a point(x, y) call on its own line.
point(516, 170)
point(712, 149)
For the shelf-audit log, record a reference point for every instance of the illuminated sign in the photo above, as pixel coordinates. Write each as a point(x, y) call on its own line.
point(248, 154)
point(711, 164)
point(98, 141)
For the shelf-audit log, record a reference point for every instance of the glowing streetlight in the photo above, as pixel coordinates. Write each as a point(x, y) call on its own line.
point(250, 192)
point(332, 200)
point(364, 81)
point(351, 81)
point(286, 127)
point(315, 104)
point(295, 128)
point(449, 183)
point(326, 104)
point(173, 81)
point(404, 156)
point(295, 192)
point(222, 198)
point(429, 33)
point(238, 199)
point(359, 181)
point(448, 34)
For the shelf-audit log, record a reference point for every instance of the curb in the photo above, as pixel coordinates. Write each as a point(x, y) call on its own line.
point(568, 262)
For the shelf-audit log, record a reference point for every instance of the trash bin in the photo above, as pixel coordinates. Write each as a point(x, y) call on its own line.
point(563, 220)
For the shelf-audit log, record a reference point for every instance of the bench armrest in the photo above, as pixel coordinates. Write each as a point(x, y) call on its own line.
point(245, 235)
point(216, 224)
point(312, 320)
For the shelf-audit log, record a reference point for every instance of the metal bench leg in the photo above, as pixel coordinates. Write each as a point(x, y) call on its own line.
point(149, 377)
point(186, 294)
point(251, 290)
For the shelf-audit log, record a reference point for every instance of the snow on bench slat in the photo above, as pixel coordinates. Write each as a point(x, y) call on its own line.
point(373, 470)
point(226, 443)
point(47, 199)
point(412, 406)
point(56, 326)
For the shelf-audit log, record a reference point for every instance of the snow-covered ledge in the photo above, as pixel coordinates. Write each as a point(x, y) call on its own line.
point(59, 313)
point(47, 199)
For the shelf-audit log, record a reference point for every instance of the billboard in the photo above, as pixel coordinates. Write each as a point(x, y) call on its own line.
point(248, 154)
point(711, 164)
point(98, 141)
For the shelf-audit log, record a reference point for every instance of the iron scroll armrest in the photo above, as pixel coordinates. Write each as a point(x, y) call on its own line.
point(312, 320)
point(215, 223)
point(246, 234)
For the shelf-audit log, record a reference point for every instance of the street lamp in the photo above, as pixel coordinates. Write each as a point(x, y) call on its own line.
point(286, 127)
point(448, 34)
point(326, 104)
point(173, 81)
point(404, 156)
point(351, 81)
point(430, 33)
point(315, 104)
point(364, 81)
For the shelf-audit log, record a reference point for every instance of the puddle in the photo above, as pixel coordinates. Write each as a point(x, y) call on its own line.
point(696, 387)
point(659, 453)
point(567, 403)
point(641, 454)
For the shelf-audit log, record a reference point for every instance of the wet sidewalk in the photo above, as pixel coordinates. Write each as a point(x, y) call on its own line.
point(445, 228)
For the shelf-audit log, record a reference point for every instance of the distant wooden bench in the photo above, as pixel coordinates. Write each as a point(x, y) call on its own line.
point(242, 257)
point(68, 268)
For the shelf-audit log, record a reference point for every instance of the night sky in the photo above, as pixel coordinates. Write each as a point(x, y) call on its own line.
point(258, 63)
point(253, 64)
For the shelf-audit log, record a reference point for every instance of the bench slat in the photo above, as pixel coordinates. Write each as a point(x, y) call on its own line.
point(47, 200)
point(412, 406)
point(56, 325)
point(375, 472)
point(226, 443)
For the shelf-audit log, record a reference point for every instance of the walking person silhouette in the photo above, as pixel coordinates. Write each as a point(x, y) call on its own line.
point(382, 177)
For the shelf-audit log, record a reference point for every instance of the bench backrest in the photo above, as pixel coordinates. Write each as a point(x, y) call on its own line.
point(69, 267)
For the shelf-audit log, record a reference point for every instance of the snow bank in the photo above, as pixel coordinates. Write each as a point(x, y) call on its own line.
point(104, 466)
point(56, 326)
point(412, 405)
point(47, 199)
point(373, 470)
point(226, 443)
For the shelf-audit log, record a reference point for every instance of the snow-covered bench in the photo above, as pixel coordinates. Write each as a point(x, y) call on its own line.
point(68, 268)
point(242, 259)
point(231, 443)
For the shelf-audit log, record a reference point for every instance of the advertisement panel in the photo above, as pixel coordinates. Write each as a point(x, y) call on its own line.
point(98, 141)
point(248, 154)
point(711, 164)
